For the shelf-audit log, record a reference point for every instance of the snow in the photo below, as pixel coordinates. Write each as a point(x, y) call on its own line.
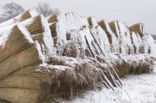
point(103, 40)
point(33, 13)
point(94, 21)
point(136, 41)
point(115, 42)
point(26, 33)
point(56, 67)
point(4, 33)
point(125, 39)
point(136, 89)
point(6, 27)
point(154, 49)
point(148, 42)
point(10, 22)
point(27, 22)
point(67, 22)
point(48, 40)
point(117, 28)
point(42, 56)
point(45, 51)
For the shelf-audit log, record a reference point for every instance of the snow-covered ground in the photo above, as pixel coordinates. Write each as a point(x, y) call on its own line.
point(136, 89)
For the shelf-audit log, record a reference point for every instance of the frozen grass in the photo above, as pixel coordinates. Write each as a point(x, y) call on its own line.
point(136, 89)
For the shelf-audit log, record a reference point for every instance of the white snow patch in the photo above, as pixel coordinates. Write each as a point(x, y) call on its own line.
point(26, 33)
point(40, 52)
point(47, 37)
point(11, 21)
point(4, 34)
point(33, 13)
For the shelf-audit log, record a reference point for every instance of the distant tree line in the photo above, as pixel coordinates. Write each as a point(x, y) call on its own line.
point(154, 36)
point(45, 9)
point(12, 9)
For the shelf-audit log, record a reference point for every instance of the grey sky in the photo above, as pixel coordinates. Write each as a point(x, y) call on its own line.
point(127, 11)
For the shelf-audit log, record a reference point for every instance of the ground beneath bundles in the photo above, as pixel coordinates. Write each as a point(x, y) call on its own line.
point(136, 89)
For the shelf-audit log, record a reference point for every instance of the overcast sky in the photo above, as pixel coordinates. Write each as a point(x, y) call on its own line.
point(127, 11)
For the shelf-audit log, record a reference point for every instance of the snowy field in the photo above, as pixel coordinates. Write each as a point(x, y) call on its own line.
point(136, 89)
